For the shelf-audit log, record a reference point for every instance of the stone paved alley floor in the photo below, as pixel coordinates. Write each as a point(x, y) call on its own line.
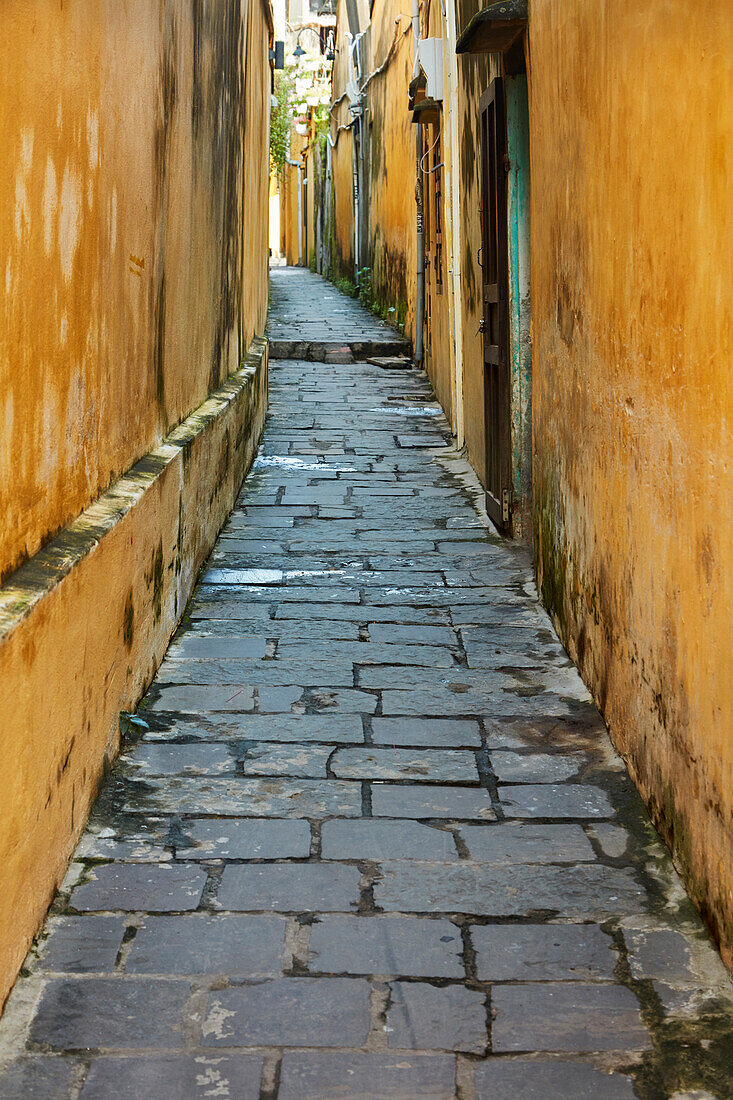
point(375, 842)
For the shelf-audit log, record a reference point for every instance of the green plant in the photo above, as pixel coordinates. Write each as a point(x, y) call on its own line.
point(281, 119)
point(346, 287)
point(364, 282)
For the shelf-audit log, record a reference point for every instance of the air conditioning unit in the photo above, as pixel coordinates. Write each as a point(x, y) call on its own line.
point(430, 59)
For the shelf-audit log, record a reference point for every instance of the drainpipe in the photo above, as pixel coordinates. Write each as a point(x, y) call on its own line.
point(355, 74)
point(420, 253)
point(355, 174)
point(449, 12)
point(420, 239)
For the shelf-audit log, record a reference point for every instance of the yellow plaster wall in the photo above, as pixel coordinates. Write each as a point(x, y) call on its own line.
point(124, 173)
point(289, 184)
point(392, 210)
point(342, 238)
point(342, 204)
point(631, 110)
point(133, 248)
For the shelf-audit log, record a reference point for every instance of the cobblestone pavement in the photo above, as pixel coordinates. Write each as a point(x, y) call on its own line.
point(311, 320)
point(374, 841)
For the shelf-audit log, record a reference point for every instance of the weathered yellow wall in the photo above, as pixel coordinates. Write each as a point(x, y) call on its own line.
point(392, 210)
point(289, 184)
point(133, 246)
point(342, 205)
point(121, 188)
point(631, 111)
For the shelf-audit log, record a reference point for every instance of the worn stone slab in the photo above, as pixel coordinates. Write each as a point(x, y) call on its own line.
point(307, 761)
point(156, 887)
point(441, 701)
point(289, 1012)
point(328, 728)
point(244, 838)
point(81, 945)
point(548, 1079)
point(208, 943)
point(426, 1017)
point(379, 839)
point(428, 801)
point(198, 759)
point(123, 842)
point(252, 674)
point(175, 1077)
point(289, 887)
point(39, 1076)
point(543, 952)
point(324, 700)
point(204, 647)
point(613, 840)
point(517, 843)
point(360, 1076)
point(242, 576)
point(317, 610)
point(677, 960)
point(428, 732)
point(387, 946)
point(197, 697)
point(244, 797)
point(586, 892)
point(272, 527)
point(391, 633)
point(280, 700)
point(368, 653)
point(515, 652)
point(568, 1016)
point(566, 800)
point(110, 1013)
point(427, 765)
point(457, 680)
point(514, 767)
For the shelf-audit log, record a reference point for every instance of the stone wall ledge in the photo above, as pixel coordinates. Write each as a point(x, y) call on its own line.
point(32, 581)
point(84, 625)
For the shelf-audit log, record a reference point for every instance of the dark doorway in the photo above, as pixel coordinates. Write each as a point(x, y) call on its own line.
point(495, 320)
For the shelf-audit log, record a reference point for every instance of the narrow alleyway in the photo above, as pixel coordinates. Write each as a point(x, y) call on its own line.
point(374, 841)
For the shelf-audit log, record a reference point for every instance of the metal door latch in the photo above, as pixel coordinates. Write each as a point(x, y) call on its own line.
point(507, 499)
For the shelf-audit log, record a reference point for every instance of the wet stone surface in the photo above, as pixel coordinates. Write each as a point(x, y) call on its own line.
point(372, 840)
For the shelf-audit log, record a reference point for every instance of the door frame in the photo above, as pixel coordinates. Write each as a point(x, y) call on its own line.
point(495, 304)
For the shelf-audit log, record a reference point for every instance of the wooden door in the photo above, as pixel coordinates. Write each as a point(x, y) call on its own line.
point(494, 323)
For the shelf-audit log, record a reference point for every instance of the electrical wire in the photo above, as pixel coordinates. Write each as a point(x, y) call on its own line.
point(429, 171)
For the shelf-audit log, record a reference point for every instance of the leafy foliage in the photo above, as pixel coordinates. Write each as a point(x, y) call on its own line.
point(281, 119)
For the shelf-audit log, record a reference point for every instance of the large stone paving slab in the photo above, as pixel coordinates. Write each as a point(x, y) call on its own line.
point(110, 1013)
point(367, 837)
point(289, 1012)
point(545, 1079)
point(543, 952)
point(249, 946)
point(428, 1017)
point(174, 1077)
point(570, 1016)
point(386, 945)
point(355, 1076)
point(584, 892)
point(290, 888)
